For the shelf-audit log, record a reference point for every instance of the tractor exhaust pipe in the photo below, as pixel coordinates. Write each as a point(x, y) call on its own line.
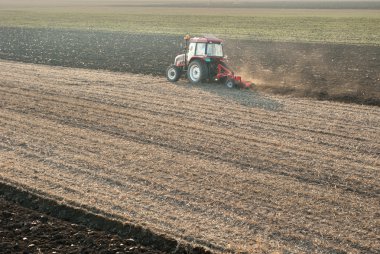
point(186, 38)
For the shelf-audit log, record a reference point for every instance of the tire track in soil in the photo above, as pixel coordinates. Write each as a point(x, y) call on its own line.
point(155, 93)
point(345, 136)
point(88, 132)
point(239, 193)
point(323, 179)
point(129, 108)
point(218, 122)
point(239, 111)
point(262, 164)
point(45, 181)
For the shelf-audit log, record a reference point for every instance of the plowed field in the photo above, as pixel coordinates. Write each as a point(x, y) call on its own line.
point(227, 170)
point(320, 71)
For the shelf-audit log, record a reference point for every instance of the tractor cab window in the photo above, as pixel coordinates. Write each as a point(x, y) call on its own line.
point(192, 48)
point(214, 50)
point(201, 49)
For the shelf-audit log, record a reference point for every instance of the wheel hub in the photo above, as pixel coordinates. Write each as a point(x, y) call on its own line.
point(171, 73)
point(230, 84)
point(195, 73)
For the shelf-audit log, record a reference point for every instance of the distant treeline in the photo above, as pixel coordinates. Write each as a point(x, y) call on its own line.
point(270, 4)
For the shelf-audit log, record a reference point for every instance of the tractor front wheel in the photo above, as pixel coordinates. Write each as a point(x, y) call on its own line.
point(197, 71)
point(173, 73)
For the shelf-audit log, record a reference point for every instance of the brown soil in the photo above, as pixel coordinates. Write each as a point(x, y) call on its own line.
point(202, 165)
point(23, 230)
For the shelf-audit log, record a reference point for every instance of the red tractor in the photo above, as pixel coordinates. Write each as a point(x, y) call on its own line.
point(204, 60)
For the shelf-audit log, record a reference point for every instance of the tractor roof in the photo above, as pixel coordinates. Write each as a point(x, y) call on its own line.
point(206, 39)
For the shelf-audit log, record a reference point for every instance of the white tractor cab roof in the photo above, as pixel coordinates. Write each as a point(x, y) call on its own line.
point(206, 40)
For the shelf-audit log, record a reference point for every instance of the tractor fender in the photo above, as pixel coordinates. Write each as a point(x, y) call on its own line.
point(197, 58)
point(179, 60)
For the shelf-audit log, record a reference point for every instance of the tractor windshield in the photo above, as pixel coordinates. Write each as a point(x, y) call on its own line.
point(214, 50)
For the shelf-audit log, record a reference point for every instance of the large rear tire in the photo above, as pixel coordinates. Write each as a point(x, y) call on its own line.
point(173, 73)
point(197, 71)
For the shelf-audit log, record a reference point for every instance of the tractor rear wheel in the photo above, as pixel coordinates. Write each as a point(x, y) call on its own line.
point(173, 73)
point(197, 71)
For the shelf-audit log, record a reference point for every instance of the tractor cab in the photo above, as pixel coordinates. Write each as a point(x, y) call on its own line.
point(204, 47)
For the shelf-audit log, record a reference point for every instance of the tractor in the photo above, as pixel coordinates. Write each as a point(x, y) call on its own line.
point(204, 61)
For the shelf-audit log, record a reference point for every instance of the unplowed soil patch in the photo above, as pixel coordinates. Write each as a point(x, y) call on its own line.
point(227, 170)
